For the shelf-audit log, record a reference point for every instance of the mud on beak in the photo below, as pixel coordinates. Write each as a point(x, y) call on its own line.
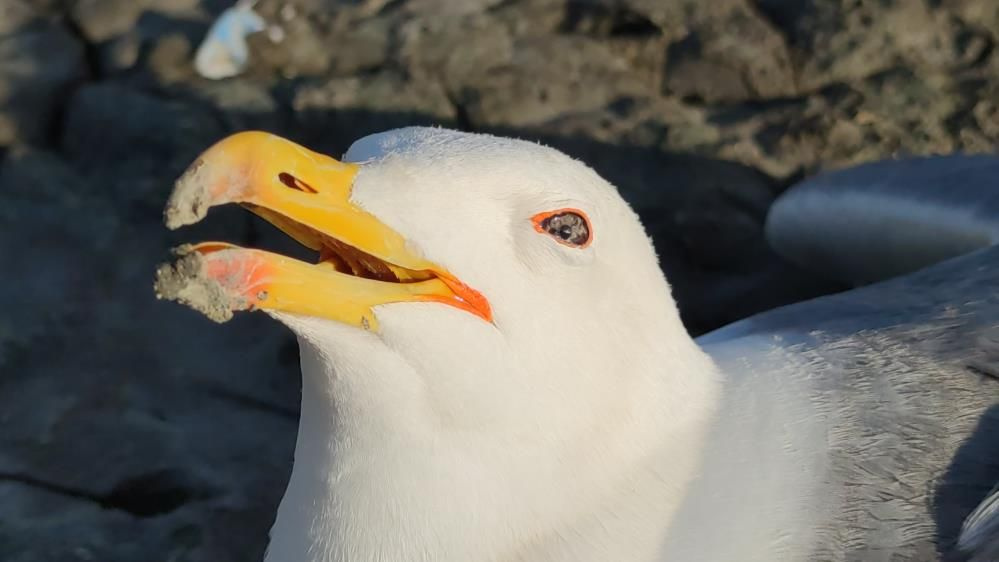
point(362, 262)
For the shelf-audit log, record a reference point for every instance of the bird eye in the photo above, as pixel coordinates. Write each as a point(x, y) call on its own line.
point(567, 226)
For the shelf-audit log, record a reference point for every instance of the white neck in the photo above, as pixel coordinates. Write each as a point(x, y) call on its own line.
point(374, 480)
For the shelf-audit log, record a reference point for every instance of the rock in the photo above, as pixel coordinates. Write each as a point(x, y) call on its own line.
point(119, 54)
point(606, 19)
point(676, 18)
point(518, 72)
point(16, 14)
point(690, 75)
point(986, 115)
point(101, 20)
point(630, 121)
point(835, 42)
point(306, 48)
point(134, 142)
point(428, 47)
point(46, 202)
point(334, 113)
point(361, 48)
point(447, 8)
point(43, 188)
point(38, 65)
point(721, 224)
point(981, 13)
point(244, 104)
point(170, 57)
point(735, 56)
point(159, 47)
point(315, 38)
point(538, 80)
point(302, 51)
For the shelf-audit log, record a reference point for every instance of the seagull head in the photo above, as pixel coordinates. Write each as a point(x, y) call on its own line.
point(483, 314)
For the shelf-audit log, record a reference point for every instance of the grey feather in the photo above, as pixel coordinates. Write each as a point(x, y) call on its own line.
point(980, 533)
point(864, 425)
point(885, 219)
point(858, 426)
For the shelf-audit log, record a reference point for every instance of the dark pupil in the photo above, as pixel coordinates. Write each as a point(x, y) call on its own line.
point(569, 227)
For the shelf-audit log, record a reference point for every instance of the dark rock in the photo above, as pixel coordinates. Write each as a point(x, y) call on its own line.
point(38, 65)
point(986, 115)
point(677, 17)
point(524, 88)
point(692, 76)
point(159, 48)
point(316, 40)
point(362, 47)
point(169, 59)
point(721, 225)
point(428, 47)
point(134, 142)
point(606, 19)
point(304, 50)
point(243, 104)
point(119, 54)
point(447, 8)
point(46, 206)
point(334, 113)
point(735, 56)
point(837, 42)
point(982, 14)
point(16, 14)
point(101, 20)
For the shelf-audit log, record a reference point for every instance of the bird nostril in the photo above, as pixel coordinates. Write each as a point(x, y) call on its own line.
point(294, 183)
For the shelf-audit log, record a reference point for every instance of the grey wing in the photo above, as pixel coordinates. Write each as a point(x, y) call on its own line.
point(885, 219)
point(910, 364)
point(979, 539)
point(906, 375)
point(964, 289)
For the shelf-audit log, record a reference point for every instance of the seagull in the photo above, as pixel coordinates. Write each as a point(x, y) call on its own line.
point(493, 367)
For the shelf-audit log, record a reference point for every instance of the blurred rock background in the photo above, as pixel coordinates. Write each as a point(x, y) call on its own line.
point(135, 430)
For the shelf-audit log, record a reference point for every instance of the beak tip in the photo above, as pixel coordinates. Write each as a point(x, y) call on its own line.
point(182, 250)
point(190, 200)
point(186, 282)
point(175, 217)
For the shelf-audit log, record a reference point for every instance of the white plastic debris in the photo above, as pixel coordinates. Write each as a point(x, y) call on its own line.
point(224, 52)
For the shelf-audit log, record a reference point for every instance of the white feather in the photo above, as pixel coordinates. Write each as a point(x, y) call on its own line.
point(585, 424)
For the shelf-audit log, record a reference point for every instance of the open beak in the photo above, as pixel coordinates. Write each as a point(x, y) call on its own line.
point(362, 262)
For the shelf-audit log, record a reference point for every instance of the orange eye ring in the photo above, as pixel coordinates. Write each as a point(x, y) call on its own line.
point(543, 224)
